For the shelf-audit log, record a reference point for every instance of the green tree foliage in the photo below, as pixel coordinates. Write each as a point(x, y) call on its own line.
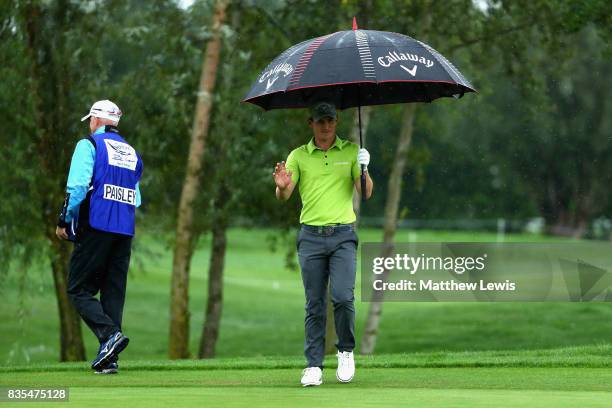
point(560, 149)
point(534, 142)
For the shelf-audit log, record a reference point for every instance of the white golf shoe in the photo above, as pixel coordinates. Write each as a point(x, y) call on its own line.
point(312, 376)
point(346, 366)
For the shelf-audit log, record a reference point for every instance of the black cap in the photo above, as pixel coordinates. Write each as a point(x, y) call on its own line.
point(322, 110)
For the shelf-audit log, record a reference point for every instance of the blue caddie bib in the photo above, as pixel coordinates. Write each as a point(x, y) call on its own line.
point(117, 169)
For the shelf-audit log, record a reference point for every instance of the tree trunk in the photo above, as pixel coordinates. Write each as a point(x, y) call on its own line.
point(49, 81)
point(221, 207)
point(71, 337)
point(368, 342)
point(212, 320)
point(568, 223)
point(568, 215)
point(178, 344)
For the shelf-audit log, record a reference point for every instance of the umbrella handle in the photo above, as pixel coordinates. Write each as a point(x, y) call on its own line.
point(363, 184)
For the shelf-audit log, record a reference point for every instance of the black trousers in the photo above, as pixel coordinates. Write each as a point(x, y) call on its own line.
point(99, 263)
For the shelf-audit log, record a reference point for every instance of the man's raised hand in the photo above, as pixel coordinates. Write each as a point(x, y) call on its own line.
point(282, 177)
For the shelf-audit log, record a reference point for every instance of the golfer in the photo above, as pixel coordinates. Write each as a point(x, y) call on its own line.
point(326, 169)
point(98, 215)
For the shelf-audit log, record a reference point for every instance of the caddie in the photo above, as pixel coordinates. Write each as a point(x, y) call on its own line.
point(102, 194)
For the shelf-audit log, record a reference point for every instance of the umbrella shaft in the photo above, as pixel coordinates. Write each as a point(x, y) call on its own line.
point(363, 177)
point(359, 116)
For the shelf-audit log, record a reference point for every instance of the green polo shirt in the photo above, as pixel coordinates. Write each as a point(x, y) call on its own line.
point(326, 181)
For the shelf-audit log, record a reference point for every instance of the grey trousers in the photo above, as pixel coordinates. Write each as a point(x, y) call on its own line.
point(328, 253)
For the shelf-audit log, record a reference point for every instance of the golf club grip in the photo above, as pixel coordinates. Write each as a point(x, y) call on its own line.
point(363, 184)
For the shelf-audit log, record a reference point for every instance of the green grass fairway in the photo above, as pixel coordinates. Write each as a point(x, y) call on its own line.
point(427, 355)
point(573, 377)
point(263, 310)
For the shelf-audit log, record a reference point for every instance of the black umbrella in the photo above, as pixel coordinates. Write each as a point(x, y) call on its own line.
point(357, 68)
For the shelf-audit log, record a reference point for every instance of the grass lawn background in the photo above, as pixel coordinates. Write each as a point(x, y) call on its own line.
point(428, 354)
point(263, 310)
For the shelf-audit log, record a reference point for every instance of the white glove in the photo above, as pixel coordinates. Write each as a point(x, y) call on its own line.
point(363, 157)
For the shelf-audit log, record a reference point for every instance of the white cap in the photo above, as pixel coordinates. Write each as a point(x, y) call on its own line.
point(104, 109)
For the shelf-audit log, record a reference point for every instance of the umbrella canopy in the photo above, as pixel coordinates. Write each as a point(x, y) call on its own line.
point(357, 68)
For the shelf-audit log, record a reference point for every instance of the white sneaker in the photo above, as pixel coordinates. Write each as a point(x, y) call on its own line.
point(346, 366)
point(312, 376)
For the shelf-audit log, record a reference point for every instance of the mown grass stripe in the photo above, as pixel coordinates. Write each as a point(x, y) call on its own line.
point(598, 356)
